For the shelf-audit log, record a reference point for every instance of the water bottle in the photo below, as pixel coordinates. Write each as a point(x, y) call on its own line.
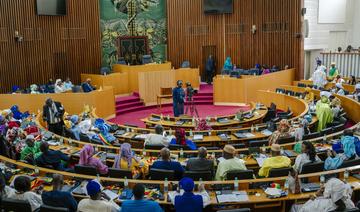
point(346, 175)
point(322, 179)
point(161, 116)
point(181, 153)
point(200, 183)
point(168, 117)
point(144, 152)
point(126, 183)
point(263, 149)
point(191, 133)
point(324, 139)
point(286, 186)
point(61, 142)
point(236, 184)
point(98, 177)
point(193, 120)
point(36, 170)
point(170, 131)
point(256, 128)
point(282, 151)
point(127, 129)
point(166, 185)
point(252, 128)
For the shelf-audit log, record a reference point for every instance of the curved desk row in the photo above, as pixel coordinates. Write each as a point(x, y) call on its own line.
point(330, 85)
point(254, 201)
point(102, 99)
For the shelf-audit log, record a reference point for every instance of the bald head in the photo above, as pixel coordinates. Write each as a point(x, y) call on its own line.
point(202, 152)
point(165, 154)
point(58, 181)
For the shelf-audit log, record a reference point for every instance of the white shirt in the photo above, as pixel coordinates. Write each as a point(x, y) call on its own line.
point(89, 205)
point(302, 159)
point(34, 199)
point(156, 140)
point(59, 89)
point(319, 77)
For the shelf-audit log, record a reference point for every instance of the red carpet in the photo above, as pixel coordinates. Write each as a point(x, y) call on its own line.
point(204, 110)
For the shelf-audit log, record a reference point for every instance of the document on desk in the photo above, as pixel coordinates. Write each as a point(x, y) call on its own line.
point(239, 196)
point(249, 135)
point(266, 132)
point(260, 160)
point(198, 137)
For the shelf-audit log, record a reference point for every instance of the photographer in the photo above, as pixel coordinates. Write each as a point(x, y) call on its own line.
point(53, 115)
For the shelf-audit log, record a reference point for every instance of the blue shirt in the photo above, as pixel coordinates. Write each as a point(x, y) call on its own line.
point(178, 95)
point(59, 199)
point(189, 202)
point(169, 165)
point(189, 143)
point(140, 206)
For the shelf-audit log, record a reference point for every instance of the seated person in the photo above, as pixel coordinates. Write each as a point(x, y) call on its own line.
point(200, 163)
point(51, 158)
point(57, 197)
point(333, 161)
point(180, 139)
point(87, 159)
point(50, 86)
point(348, 144)
point(336, 108)
point(127, 160)
point(356, 93)
point(34, 89)
point(308, 155)
point(309, 95)
point(139, 204)
point(87, 87)
point(339, 80)
point(23, 191)
point(323, 111)
point(335, 195)
point(5, 191)
point(74, 127)
point(338, 89)
point(16, 114)
point(190, 201)
point(157, 139)
point(59, 86)
point(284, 130)
point(265, 70)
point(229, 164)
point(167, 164)
point(68, 84)
point(96, 202)
point(104, 135)
point(274, 162)
point(31, 150)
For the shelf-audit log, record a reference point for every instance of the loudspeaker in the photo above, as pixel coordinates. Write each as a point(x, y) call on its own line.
point(303, 11)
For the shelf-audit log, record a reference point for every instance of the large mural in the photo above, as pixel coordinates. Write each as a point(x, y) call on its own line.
point(133, 17)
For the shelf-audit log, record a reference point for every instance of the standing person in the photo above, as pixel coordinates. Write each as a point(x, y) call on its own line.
point(209, 69)
point(57, 197)
point(178, 99)
point(324, 113)
point(333, 72)
point(53, 113)
point(319, 76)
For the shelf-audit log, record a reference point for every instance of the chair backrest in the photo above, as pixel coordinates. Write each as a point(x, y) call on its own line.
point(311, 136)
point(196, 175)
point(165, 91)
point(87, 170)
point(236, 210)
point(84, 138)
point(280, 172)
point(286, 140)
point(119, 173)
point(185, 64)
point(48, 208)
point(258, 143)
point(312, 167)
point(146, 59)
point(350, 163)
point(238, 145)
point(15, 205)
point(154, 147)
point(177, 147)
point(240, 174)
point(161, 174)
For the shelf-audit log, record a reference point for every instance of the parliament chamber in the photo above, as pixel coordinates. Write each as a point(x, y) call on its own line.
point(179, 105)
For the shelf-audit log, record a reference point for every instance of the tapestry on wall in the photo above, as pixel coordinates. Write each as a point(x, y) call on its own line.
point(133, 18)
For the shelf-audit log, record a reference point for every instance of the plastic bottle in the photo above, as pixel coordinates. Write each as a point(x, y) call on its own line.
point(144, 152)
point(252, 128)
point(322, 179)
point(236, 184)
point(200, 183)
point(191, 133)
point(346, 175)
point(181, 153)
point(126, 183)
point(166, 185)
point(263, 149)
point(286, 186)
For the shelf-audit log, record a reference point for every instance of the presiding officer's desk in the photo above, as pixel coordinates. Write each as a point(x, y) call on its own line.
point(119, 81)
point(101, 99)
point(254, 201)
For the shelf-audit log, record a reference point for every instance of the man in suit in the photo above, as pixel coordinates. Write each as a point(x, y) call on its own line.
point(200, 163)
point(87, 87)
point(210, 69)
point(178, 99)
point(53, 114)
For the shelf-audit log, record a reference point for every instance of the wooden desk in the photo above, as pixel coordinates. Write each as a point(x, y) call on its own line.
point(233, 91)
point(133, 72)
point(103, 100)
point(328, 86)
point(119, 81)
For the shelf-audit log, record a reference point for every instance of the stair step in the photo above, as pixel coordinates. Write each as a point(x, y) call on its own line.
point(203, 98)
point(127, 100)
point(128, 105)
point(121, 111)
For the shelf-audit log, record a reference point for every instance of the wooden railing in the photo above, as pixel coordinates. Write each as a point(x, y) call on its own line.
point(347, 63)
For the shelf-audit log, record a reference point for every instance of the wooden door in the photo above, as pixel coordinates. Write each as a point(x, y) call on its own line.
point(206, 51)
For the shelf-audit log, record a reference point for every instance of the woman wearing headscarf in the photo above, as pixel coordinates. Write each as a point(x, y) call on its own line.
point(74, 128)
point(336, 107)
point(339, 89)
point(309, 95)
point(34, 89)
point(180, 139)
point(335, 195)
point(126, 159)
point(323, 111)
point(87, 159)
point(17, 114)
point(59, 87)
point(283, 130)
point(228, 64)
point(308, 155)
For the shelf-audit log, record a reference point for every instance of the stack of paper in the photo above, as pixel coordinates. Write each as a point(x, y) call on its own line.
point(249, 135)
point(240, 196)
point(198, 137)
point(266, 132)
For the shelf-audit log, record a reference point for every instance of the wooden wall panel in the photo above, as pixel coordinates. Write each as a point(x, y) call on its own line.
point(276, 42)
point(53, 47)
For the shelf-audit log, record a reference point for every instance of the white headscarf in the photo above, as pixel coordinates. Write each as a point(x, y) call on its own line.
point(325, 93)
point(336, 189)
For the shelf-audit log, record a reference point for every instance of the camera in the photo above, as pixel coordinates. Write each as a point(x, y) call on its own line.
point(190, 91)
